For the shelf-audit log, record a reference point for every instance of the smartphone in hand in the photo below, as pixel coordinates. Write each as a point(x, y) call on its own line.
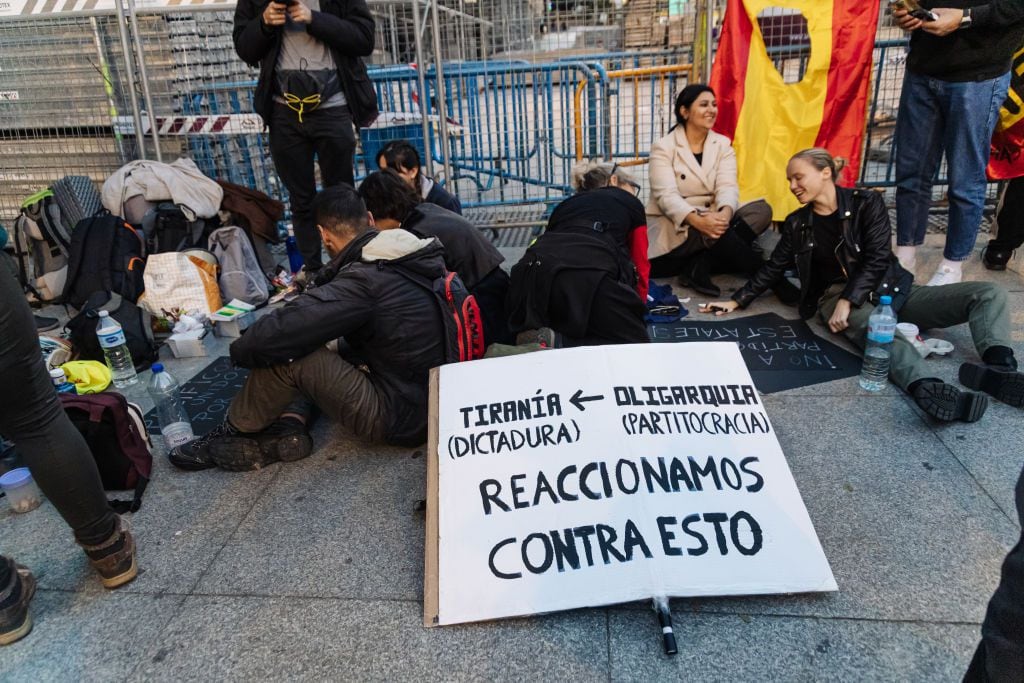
point(914, 9)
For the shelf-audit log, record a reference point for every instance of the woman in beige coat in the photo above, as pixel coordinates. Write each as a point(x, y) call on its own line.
point(695, 224)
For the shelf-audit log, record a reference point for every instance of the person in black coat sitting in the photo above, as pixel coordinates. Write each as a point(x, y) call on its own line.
point(840, 242)
point(402, 158)
point(393, 204)
point(586, 276)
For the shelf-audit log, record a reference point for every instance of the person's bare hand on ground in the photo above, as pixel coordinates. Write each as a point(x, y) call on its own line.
point(725, 306)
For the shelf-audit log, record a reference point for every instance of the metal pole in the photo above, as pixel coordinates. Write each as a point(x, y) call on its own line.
point(141, 61)
point(709, 37)
point(442, 107)
point(126, 52)
point(421, 78)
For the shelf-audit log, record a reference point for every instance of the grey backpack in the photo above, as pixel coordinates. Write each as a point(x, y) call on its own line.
point(240, 274)
point(41, 242)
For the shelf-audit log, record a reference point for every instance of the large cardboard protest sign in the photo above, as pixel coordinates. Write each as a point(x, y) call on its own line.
point(580, 477)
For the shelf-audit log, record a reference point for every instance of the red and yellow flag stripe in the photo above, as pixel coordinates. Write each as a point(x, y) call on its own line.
point(768, 119)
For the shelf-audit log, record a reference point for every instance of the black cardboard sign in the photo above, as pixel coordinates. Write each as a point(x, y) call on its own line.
point(207, 396)
point(780, 354)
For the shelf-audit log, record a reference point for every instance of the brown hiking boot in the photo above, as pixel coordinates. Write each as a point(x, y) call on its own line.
point(114, 558)
point(15, 621)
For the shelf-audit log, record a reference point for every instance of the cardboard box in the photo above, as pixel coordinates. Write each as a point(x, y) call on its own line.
point(188, 344)
point(230, 320)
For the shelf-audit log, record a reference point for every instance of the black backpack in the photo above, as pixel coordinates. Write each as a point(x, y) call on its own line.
point(134, 320)
point(460, 314)
point(168, 229)
point(107, 254)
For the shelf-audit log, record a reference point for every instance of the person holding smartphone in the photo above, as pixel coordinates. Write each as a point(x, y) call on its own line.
point(312, 88)
point(957, 75)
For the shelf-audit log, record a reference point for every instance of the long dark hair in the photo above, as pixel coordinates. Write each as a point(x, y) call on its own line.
point(686, 97)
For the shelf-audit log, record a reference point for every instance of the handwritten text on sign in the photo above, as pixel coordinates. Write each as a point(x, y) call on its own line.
point(594, 476)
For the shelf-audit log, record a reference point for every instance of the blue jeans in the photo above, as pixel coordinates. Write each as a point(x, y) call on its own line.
point(956, 118)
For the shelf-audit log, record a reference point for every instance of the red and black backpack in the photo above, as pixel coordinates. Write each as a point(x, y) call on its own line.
point(463, 326)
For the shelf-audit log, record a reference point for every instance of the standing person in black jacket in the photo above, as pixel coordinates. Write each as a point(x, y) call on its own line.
point(1000, 655)
point(394, 204)
point(393, 334)
point(312, 87)
point(840, 243)
point(958, 72)
point(402, 158)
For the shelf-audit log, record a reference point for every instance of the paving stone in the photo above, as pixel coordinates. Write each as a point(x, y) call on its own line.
point(247, 638)
point(908, 536)
point(758, 648)
point(185, 519)
point(85, 636)
point(342, 523)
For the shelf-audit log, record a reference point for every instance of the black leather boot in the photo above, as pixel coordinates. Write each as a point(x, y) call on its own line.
point(696, 275)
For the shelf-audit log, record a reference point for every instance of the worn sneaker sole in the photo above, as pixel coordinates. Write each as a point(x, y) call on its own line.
point(186, 463)
point(25, 627)
point(241, 454)
point(1004, 385)
point(947, 403)
point(124, 577)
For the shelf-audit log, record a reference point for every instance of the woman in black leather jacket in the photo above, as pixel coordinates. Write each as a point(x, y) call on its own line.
point(840, 243)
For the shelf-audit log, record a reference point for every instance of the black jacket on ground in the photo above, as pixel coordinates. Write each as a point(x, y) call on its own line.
point(466, 250)
point(978, 53)
point(389, 322)
point(864, 253)
point(345, 26)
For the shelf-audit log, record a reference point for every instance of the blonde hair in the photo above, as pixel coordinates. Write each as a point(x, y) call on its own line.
point(594, 173)
point(819, 158)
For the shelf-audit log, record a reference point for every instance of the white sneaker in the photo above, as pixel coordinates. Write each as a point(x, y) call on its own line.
point(946, 275)
point(907, 257)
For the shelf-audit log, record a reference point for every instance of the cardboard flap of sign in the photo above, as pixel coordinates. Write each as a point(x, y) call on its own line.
point(593, 476)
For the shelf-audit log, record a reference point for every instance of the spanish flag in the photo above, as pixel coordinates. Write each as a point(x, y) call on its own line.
point(1007, 158)
point(770, 120)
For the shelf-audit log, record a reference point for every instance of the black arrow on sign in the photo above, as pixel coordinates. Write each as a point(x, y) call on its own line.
point(578, 399)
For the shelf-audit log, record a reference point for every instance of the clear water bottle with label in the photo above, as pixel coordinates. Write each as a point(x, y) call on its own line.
point(877, 351)
point(115, 351)
point(174, 421)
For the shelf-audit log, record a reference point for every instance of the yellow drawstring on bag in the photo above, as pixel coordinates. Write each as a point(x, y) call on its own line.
point(88, 376)
point(299, 104)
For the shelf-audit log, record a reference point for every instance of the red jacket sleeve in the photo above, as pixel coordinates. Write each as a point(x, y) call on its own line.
point(638, 253)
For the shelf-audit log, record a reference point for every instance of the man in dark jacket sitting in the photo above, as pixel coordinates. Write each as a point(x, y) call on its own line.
point(467, 251)
point(393, 334)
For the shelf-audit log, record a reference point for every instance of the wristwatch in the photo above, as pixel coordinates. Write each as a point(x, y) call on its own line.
point(966, 20)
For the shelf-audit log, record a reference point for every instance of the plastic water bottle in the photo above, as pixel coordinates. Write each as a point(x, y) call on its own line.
point(881, 332)
point(115, 351)
point(60, 382)
point(295, 260)
point(174, 421)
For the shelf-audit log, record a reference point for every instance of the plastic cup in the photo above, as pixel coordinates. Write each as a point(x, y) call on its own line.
point(908, 330)
point(21, 490)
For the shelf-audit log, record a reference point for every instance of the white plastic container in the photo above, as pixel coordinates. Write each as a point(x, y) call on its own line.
point(22, 493)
